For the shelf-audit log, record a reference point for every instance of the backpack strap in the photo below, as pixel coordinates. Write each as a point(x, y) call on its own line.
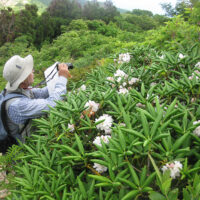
point(4, 114)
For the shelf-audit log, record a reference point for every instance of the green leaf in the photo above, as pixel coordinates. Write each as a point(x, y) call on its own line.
point(170, 109)
point(103, 185)
point(149, 180)
point(166, 186)
point(133, 132)
point(180, 141)
point(91, 189)
point(156, 124)
point(80, 145)
point(156, 168)
point(82, 188)
point(133, 174)
point(173, 194)
point(130, 195)
point(143, 175)
point(121, 140)
point(156, 196)
point(30, 150)
point(70, 150)
point(129, 183)
point(145, 124)
point(100, 178)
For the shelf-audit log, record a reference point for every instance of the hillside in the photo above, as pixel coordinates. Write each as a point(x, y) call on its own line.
point(42, 4)
point(19, 4)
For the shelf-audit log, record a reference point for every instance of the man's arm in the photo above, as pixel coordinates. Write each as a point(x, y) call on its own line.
point(24, 108)
point(40, 93)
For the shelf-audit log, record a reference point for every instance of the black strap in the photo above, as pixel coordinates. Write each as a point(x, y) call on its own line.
point(45, 80)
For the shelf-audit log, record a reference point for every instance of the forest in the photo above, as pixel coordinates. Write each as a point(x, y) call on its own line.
point(129, 125)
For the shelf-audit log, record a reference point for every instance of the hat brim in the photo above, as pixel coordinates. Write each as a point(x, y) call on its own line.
point(28, 60)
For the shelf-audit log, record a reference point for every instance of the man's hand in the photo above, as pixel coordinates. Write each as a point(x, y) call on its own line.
point(63, 70)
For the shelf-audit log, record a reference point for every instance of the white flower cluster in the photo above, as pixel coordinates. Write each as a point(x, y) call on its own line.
point(174, 168)
point(71, 127)
point(120, 74)
point(98, 139)
point(197, 130)
point(193, 74)
point(133, 80)
point(92, 106)
point(100, 168)
point(124, 58)
point(122, 91)
point(106, 124)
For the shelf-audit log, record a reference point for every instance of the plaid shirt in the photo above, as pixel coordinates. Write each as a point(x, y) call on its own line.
point(25, 108)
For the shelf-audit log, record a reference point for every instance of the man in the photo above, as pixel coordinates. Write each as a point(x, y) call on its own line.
point(18, 72)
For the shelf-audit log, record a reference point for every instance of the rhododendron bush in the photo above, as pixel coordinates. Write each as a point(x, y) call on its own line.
point(130, 131)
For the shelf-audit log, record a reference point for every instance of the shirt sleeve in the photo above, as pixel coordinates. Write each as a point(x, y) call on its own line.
point(40, 92)
point(24, 108)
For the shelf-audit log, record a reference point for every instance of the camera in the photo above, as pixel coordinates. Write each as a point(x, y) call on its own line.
point(70, 65)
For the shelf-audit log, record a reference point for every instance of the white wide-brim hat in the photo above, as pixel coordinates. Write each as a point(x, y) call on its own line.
point(16, 70)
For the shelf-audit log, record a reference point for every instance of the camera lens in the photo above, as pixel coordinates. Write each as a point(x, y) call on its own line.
point(70, 65)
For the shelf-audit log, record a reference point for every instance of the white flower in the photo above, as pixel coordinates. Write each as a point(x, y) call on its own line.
point(197, 130)
point(198, 65)
point(181, 56)
point(152, 84)
point(110, 78)
point(119, 79)
point(105, 139)
point(124, 84)
point(133, 80)
point(140, 105)
point(161, 57)
point(194, 75)
point(193, 100)
point(124, 58)
point(190, 77)
point(100, 168)
point(122, 124)
point(71, 127)
point(174, 168)
point(106, 124)
point(120, 73)
point(92, 105)
point(83, 88)
point(122, 91)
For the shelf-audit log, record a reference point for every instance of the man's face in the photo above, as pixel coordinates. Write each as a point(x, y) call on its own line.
point(29, 80)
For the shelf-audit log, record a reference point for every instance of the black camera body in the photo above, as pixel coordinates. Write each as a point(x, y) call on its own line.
point(70, 65)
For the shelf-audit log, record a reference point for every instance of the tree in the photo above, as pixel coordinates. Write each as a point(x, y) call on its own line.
point(142, 12)
point(26, 21)
point(92, 10)
point(7, 25)
point(66, 9)
point(179, 8)
point(110, 11)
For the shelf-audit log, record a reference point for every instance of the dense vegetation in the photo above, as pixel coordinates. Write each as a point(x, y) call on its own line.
point(129, 127)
